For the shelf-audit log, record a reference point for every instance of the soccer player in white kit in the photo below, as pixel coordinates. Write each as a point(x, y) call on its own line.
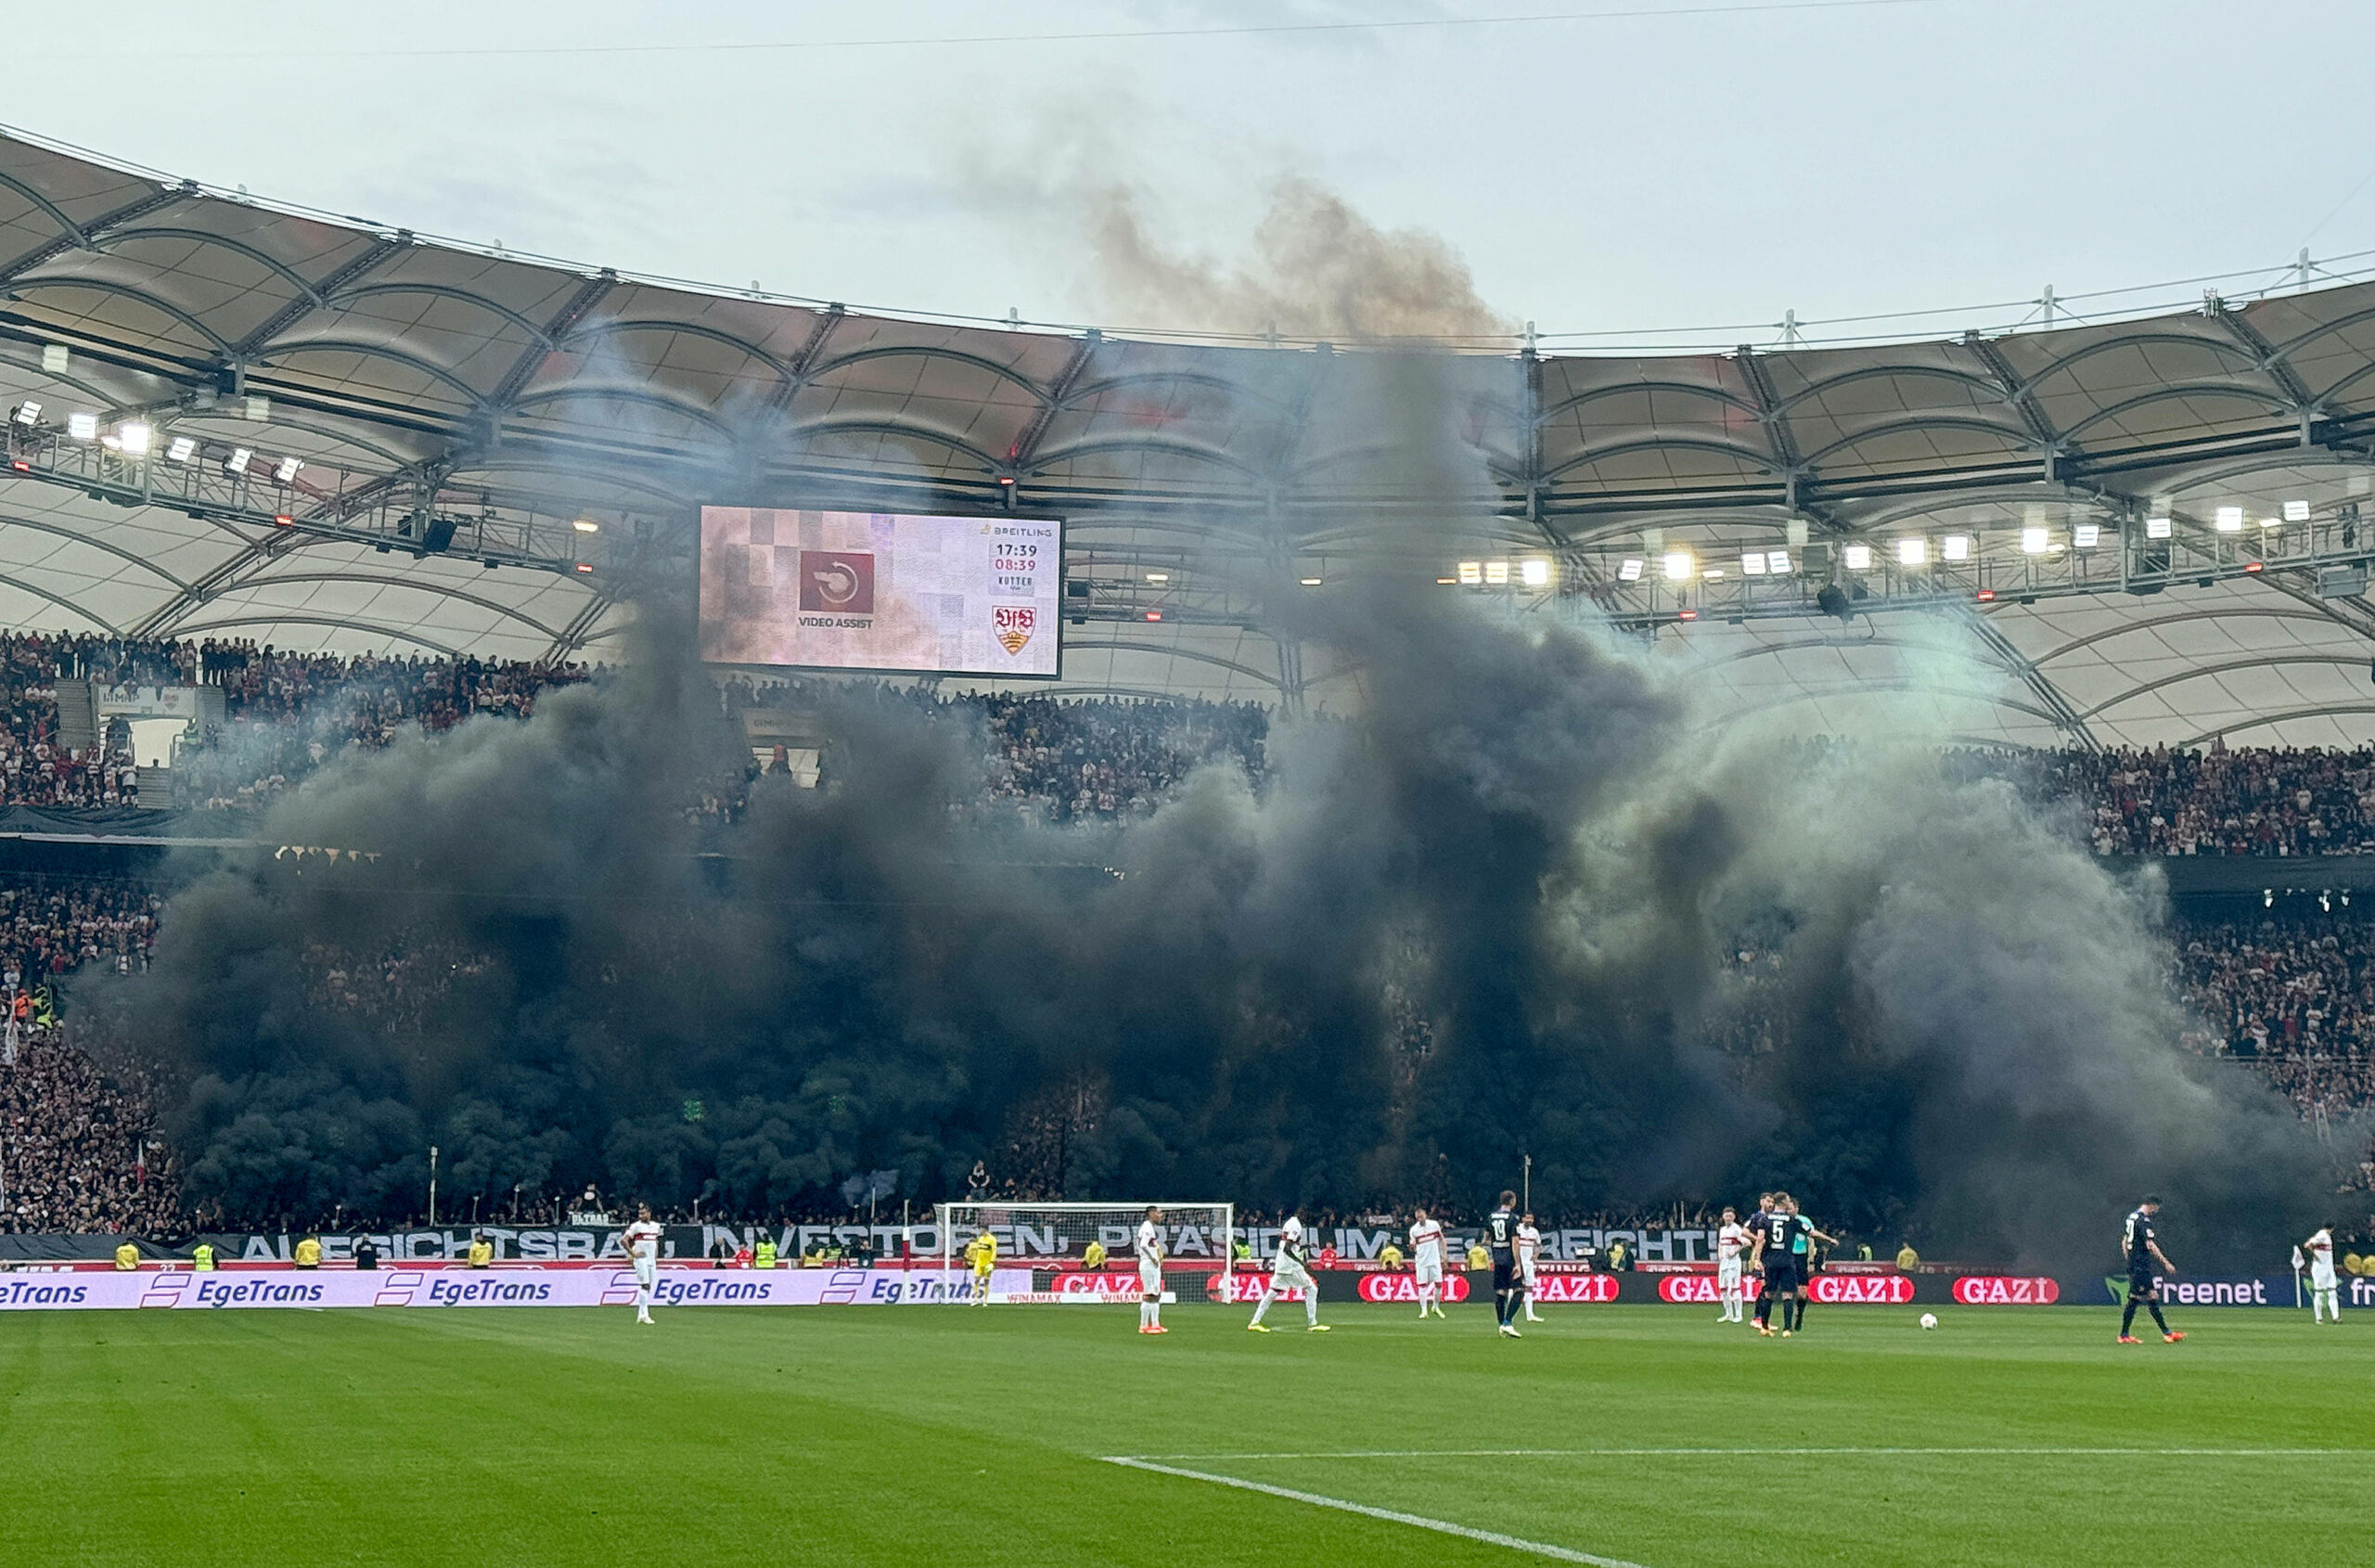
point(642, 1240)
point(1289, 1272)
point(1529, 1248)
point(1150, 1273)
point(1730, 1284)
point(1427, 1262)
point(2325, 1300)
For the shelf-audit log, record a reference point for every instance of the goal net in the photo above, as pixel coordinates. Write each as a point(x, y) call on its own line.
point(1088, 1252)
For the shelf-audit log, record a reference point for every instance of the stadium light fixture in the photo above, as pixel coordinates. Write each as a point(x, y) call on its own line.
point(1449, 582)
point(1712, 574)
point(237, 463)
point(2254, 567)
point(1913, 552)
point(2036, 541)
point(1677, 565)
point(1687, 615)
point(587, 569)
point(1534, 573)
point(1496, 573)
point(83, 427)
point(26, 413)
point(1158, 577)
point(2269, 523)
point(1753, 563)
point(1629, 570)
point(1858, 557)
point(1988, 595)
point(2229, 520)
point(288, 469)
point(2086, 535)
point(133, 438)
point(585, 525)
point(1778, 562)
point(182, 449)
point(2296, 511)
point(1955, 547)
point(2158, 527)
point(1471, 574)
point(55, 358)
point(1311, 582)
point(1152, 614)
point(257, 409)
point(283, 520)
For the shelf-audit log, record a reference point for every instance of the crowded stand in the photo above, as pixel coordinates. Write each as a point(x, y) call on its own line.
point(78, 1145)
point(2159, 802)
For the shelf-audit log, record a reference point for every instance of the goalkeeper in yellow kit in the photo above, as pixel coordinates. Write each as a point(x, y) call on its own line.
point(984, 1250)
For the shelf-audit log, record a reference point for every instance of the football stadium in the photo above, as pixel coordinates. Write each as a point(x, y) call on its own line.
point(685, 920)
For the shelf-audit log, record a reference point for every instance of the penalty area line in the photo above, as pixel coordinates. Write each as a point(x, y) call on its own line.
point(1144, 1461)
point(1441, 1527)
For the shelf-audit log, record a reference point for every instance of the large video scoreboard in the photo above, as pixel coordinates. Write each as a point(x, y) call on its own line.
point(968, 595)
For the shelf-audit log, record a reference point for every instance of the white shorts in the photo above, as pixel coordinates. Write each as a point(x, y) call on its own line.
point(2321, 1278)
point(1430, 1271)
point(1727, 1276)
point(646, 1272)
point(1525, 1272)
point(1288, 1274)
point(1151, 1278)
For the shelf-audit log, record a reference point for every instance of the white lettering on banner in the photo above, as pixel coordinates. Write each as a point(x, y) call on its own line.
point(1860, 1289)
point(2215, 1292)
point(1577, 1290)
point(1990, 1290)
point(1692, 1289)
point(1399, 1287)
point(513, 1285)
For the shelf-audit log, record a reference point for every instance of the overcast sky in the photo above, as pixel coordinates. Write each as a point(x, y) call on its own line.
point(1611, 172)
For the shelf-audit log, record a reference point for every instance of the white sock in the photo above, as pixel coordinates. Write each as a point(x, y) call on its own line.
point(1311, 1304)
point(1154, 1315)
point(1263, 1306)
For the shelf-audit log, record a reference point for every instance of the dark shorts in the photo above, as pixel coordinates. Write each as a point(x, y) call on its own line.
point(1780, 1274)
point(2139, 1284)
point(1505, 1275)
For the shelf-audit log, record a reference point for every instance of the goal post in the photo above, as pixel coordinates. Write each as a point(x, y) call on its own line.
point(1198, 1243)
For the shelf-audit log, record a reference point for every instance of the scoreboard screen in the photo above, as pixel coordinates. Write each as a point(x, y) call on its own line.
point(888, 591)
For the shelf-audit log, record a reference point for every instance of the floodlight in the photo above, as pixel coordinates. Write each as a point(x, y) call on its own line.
point(257, 409)
point(1472, 572)
point(182, 449)
point(1534, 573)
point(586, 525)
point(55, 357)
point(2035, 541)
point(26, 413)
point(237, 463)
point(1913, 552)
point(2086, 535)
point(1497, 573)
point(83, 427)
point(1752, 565)
point(1955, 547)
point(2229, 520)
point(1311, 582)
point(1158, 577)
point(133, 438)
point(1629, 570)
point(1778, 562)
point(2296, 511)
point(288, 469)
point(2157, 528)
point(1677, 566)
point(1858, 557)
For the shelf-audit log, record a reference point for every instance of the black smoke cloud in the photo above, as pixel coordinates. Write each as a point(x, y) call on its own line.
point(1484, 918)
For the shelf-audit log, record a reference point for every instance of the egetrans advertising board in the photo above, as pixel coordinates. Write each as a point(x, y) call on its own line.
point(528, 1285)
point(881, 591)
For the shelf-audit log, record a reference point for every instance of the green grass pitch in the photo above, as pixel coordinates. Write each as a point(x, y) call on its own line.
point(979, 1437)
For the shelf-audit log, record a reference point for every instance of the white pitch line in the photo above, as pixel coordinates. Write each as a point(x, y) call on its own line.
point(1441, 1526)
point(1143, 1461)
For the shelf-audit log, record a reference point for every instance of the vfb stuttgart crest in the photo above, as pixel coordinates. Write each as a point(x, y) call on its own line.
point(1014, 623)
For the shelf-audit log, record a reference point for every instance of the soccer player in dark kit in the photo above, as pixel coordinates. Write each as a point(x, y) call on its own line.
point(2143, 1287)
point(1501, 1241)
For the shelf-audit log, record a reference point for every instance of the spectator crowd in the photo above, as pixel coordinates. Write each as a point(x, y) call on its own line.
point(2159, 802)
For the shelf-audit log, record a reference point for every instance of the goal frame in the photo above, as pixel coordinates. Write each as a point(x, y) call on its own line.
point(947, 1216)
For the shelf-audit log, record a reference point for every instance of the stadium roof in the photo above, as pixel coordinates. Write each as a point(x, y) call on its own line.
point(456, 411)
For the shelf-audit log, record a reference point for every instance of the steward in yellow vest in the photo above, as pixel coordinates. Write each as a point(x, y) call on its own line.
point(202, 1258)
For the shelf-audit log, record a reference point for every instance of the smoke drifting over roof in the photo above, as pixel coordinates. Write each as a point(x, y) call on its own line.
point(1486, 917)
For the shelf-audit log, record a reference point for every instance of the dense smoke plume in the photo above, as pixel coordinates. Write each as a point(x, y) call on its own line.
point(1319, 269)
point(1486, 917)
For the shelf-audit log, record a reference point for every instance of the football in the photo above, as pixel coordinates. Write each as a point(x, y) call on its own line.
point(1929, 1319)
